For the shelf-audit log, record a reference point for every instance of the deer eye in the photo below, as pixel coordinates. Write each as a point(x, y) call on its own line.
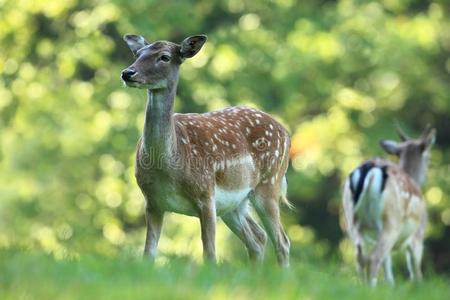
point(164, 58)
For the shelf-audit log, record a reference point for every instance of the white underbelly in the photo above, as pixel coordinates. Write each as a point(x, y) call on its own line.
point(225, 200)
point(228, 200)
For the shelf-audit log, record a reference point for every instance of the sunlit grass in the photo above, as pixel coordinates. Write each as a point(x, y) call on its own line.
point(36, 276)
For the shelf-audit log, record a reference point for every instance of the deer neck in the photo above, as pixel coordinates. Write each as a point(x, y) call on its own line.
point(159, 130)
point(417, 169)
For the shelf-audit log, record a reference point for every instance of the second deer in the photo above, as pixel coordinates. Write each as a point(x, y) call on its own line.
point(385, 209)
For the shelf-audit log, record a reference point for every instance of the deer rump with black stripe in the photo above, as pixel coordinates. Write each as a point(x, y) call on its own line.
point(384, 208)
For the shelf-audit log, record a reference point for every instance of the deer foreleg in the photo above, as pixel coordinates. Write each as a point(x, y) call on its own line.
point(154, 222)
point(208, 227)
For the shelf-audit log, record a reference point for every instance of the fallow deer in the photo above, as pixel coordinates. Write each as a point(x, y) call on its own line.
point(385, 209)
point(206, 165)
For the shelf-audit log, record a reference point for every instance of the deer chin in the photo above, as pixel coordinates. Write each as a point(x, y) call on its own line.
point(148, 86)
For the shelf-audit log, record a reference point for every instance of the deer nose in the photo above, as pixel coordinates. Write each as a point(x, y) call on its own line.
point(127, 74)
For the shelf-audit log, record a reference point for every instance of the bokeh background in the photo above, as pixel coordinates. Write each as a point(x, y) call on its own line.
point(336, 73)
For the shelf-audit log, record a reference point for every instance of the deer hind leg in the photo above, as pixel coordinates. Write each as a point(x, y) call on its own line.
point(154, 221)
point(259, 233)
point(248, 231)
point(416, 254)
point(266, 203)
point(382, 250)
point(387, 266)
point(361, 261)
point(409, 262)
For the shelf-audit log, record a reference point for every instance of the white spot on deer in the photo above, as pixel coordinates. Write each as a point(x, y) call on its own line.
point(233, 146)
point(271, 126)
point(247, 130)
point(257, 121)
point(267, 133)
point(244, 160)
point(272, 180)
point(184, 141)
point(258, 115)
point(277, 153)
point(194, 151)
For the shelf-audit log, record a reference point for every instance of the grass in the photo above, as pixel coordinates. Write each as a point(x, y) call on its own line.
point(25, 275)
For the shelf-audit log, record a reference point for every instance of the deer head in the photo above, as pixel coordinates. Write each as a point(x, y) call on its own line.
point(414, 154)
point(157, 64)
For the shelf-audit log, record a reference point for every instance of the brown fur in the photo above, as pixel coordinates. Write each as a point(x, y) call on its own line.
point(209, 144)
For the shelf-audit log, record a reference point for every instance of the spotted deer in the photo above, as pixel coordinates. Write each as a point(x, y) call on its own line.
point(384, 207)
point(206, 165)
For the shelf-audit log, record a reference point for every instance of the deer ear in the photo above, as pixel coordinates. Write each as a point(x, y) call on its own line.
point(429, 139)
point(135, 42)
point(191, 45)
point(390, 147)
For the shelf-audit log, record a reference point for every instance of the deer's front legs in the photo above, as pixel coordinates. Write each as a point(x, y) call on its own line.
point(154, 220)
point(208, 227)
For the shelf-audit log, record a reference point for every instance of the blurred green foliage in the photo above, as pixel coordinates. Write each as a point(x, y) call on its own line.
point(337, 73)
